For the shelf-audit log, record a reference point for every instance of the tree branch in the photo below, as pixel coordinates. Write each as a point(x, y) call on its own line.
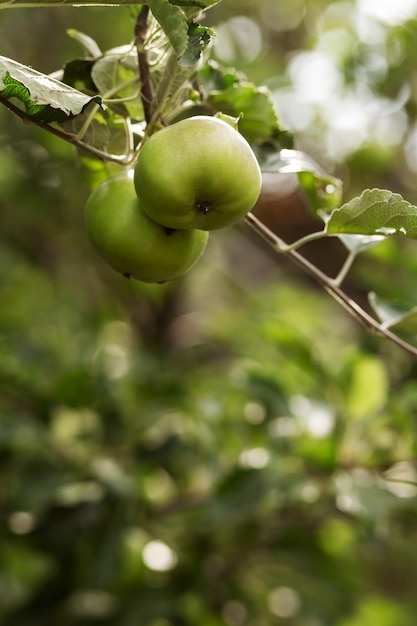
point(62, 134)
point(370, 323)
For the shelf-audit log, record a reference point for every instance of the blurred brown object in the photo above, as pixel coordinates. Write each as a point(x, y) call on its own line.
point(283, 207)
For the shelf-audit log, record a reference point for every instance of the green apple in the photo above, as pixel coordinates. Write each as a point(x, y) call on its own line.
point(131, 242)
point(198, 173)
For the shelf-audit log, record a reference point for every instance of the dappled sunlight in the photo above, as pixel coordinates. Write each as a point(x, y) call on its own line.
point(284, 602)
point(239, 38)
point(158, 556)
point(391, 13)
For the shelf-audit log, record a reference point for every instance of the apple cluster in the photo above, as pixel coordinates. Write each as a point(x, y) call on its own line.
point(192, 177)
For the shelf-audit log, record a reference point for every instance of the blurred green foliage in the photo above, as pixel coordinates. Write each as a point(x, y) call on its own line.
point(229, 449)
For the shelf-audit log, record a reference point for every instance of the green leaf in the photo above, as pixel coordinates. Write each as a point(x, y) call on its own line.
point(77, 73)
point(258, 120)
point(375, 212)
point(198, 39)
point(99, 131)
point(401, 314)
point(116, 76)
point(198, 4)
point(213, 77)
point(323, 191)
point(360, 243)
point(173, 22)
point(46, 99)
point(189, 3)
point(89, 45)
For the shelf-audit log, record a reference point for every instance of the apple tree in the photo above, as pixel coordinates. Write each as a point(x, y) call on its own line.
point(198, 428)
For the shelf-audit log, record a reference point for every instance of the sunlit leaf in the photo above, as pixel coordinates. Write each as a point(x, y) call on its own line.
point(45, 99)
point(360, 243)
point(375, 212)
point(173, 22)
point(89, 45)
point(116, 76)
point(254, 104)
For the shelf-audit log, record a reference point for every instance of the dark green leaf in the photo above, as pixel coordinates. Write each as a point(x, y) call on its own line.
point(77, 73)
point(189, 3)
point(215, 78)
point(198, 39)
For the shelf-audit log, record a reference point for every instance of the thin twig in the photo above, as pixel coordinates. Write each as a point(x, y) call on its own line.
point(344, 270)
point(106, 99)
point(315, 236)
point(370, 323)
point(62, 134)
